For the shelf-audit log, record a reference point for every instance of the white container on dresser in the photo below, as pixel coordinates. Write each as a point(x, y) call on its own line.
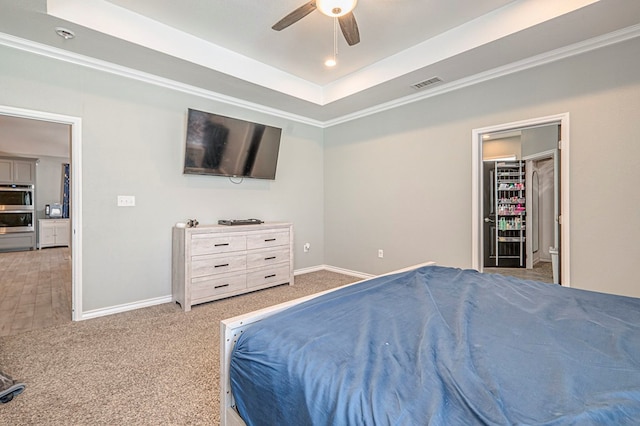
point(216, 261)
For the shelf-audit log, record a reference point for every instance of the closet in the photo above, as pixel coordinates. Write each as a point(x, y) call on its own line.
point(510, 214)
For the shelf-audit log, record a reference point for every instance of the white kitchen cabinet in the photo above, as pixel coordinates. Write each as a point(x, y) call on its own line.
point(54, 232)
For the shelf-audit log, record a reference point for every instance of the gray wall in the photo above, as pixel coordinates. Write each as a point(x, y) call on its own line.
point(539, 139)
point(401, 180)
point(133, 137)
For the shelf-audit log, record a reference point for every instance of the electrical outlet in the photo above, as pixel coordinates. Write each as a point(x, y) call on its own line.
point(380, 253)
point(306, 247)
point(126, 201)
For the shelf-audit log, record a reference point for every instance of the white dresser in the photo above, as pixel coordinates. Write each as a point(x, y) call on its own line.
point(216, 261)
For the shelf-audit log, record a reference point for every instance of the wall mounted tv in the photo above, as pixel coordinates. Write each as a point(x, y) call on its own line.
point(224, 146)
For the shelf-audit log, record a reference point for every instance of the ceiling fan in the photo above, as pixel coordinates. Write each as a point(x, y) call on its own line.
point(340, 9)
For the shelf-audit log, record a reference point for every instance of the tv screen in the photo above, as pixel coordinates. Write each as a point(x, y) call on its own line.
point(224, 146)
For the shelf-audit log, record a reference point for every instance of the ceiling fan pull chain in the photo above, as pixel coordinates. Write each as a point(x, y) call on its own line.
point(335, 38)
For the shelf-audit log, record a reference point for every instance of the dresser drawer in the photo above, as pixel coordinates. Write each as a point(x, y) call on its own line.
point(217, 264)
point(257, 240)
point(277, 275)
point(208, 288)
point(213, 244)
point(265, 257)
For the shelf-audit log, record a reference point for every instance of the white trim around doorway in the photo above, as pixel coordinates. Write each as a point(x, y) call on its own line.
point(76, 195)
point(477, 185)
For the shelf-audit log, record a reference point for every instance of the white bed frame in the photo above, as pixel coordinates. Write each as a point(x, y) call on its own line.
point(231, 328)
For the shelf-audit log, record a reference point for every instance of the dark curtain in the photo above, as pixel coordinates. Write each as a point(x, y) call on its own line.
point(65, 190)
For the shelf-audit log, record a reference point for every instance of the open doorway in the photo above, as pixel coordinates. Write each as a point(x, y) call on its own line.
point(543, 246)
point(520, 202)
point(520, 198)
point(59, 172)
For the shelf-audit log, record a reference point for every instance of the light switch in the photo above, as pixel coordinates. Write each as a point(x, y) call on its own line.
point(126, 200)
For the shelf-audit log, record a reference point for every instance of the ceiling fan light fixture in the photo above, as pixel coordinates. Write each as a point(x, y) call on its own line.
point(336, 8)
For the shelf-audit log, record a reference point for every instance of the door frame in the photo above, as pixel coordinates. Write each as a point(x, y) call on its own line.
point(76, 194)
point(477, 239)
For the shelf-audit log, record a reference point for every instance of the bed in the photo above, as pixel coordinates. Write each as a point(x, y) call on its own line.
point(435, 345)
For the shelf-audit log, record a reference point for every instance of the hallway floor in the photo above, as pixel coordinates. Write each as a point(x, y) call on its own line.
point(35, 289)
point(542, 271)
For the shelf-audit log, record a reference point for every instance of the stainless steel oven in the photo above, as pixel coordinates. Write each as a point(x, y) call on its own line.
point(16, 197)
point(16, 221)
point(17, 212)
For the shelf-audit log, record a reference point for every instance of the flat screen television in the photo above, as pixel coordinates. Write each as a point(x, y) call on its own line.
point(224, 146)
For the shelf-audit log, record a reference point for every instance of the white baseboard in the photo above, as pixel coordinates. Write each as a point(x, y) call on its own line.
point(95, 313)
point(347, 272)
point(332, 269)
point(309, 270)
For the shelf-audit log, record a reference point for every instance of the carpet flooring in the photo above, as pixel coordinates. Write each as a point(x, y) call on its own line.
point(151, 366)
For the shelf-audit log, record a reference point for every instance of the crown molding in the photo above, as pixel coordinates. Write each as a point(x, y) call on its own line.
point(108, 67)
point(133, 74)
point(525, 64)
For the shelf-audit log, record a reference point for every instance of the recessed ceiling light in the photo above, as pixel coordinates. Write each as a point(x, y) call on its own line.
point(65, 33)
point(330, 63)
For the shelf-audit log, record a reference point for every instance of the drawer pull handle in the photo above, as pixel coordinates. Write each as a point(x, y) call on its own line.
point(269, 258)
point(222, 244)
point(221, 266)
point(221, 286)
point(270, 239)
point(269, 276)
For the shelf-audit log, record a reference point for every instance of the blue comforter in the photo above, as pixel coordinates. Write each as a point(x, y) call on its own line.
point(443, 346)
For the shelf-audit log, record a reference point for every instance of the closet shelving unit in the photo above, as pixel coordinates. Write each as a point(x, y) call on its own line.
point(510, 214)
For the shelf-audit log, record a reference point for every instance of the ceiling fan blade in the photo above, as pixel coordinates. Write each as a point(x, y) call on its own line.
point(295, 16)
point(349, 28)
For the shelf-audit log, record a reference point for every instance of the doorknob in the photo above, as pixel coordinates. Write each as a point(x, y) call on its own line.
point(486, 219)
